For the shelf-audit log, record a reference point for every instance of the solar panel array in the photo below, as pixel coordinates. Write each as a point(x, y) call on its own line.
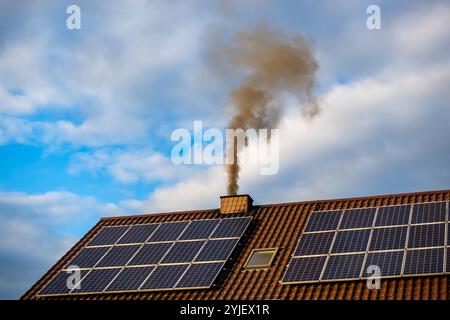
point(402, 240)
point(164, 256)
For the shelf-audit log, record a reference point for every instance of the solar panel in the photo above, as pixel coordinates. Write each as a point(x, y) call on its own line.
point(200, 275)
point(323, 221)
point(168, 231)
point(343, 267)
point(447, 268)
point(393, 216)
point(150, 253)
point(388, 238)
point(200, 229)
point(118, 256)
point(304, 269)
point(231, 228)
point(130, 279)
point(96, 280)
point(138, 234)
point(59, 284)
point(357, 218)
point(183, 252)
point(108, 236)
point(217, 250)
point(88, 257)
point(351, 241)
point(164, 277)
point(154, 256)
point(426, 261)
point(373, 236)
point(429, 212)
point(426, 235)
point(314, 243)
point(390, 263)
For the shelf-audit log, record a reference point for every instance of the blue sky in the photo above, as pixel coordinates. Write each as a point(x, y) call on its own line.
point(86, 115)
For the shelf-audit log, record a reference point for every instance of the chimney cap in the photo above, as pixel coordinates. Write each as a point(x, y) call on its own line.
point(237, 195)
point(235, 203)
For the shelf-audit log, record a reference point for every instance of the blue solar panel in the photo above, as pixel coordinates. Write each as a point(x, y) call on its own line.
point(88, 257)
point(62, 283)
point(425, 261)
point(343, 267)
point(393, 215)
point(351, 241)
point(429, 212)
point(118, 256)
point(358, 218)
point(183, 252)
point(217, 250)
point(314, 243)
point(200, 275)
point(427, 235)
point(164, 277)
point(231, 228)
point(390, 263)
point(96, 280)
point(121, 258)
point(388, 238)
point(138, 233)
point(57, 285)
point(377, 236)
point(108, 236)
point(130, 279)
point(447, 270)
point(323, 221)
point(168, 231)
point(304, 269)
point(199, 229)
point(150, 253)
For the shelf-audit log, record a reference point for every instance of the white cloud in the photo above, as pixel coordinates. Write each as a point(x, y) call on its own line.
point(14, 129)
point(99, 130)
point(387, 132)
point(55, 206)
point(420, 35)
point(412, 37)
point(197, 191)
point(35, 231)
point(26, 86)
point(111, 72)
point(128, 70)
point(129, 166)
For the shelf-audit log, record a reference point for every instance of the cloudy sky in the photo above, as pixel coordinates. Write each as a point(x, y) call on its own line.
point(86, 115)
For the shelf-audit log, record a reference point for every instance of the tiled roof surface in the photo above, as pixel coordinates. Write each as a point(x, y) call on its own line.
point(276, 225)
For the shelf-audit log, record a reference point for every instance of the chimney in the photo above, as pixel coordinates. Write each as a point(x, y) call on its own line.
point(235, 204)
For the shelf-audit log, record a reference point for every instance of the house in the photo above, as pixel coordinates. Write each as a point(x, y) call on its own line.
point(265, 241)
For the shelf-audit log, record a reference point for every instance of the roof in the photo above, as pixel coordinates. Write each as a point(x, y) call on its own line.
point(279, 226)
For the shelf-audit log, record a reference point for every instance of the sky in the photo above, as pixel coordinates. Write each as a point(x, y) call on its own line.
point(86, 115)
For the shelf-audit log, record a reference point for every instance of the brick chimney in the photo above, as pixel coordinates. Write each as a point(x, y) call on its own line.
point(235, 204)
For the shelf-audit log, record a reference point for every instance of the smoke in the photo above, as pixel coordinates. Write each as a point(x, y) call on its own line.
point(275, 66)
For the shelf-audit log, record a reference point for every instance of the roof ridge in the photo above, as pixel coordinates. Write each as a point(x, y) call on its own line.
point(156, 214)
